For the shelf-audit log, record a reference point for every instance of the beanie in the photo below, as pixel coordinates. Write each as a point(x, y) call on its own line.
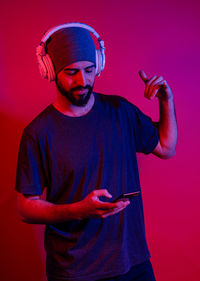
point(69, 45)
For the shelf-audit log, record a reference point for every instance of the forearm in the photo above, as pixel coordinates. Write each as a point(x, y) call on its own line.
point(32, 209)
point(167, 126)
point(157, 86)
point(39, 211)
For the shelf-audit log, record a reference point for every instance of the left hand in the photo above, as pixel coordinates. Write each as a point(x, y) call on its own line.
point(156, 86)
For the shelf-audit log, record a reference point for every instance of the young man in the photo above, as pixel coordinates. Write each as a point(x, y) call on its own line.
point(82, 149)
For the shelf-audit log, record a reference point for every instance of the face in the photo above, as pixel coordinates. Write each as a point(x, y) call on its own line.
point(76, 81)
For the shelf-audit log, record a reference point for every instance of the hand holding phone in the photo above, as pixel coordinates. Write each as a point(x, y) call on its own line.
point(126, 196)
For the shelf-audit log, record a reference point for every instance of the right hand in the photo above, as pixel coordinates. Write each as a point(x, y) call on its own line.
point(93, 207)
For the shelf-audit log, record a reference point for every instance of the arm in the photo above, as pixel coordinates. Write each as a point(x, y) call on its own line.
point(33, 209)
point(167, 126)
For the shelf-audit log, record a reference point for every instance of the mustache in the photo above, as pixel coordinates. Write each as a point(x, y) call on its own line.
point(81, 88)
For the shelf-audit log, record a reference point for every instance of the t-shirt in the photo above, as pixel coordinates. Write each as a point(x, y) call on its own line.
point(72, 156)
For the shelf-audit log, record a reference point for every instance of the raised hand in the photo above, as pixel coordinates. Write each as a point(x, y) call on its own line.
point(156, 86)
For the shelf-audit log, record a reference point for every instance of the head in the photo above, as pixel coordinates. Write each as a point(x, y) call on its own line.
point(76, 82)
point(73, 54)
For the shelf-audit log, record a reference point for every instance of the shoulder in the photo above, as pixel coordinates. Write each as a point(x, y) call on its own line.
point(116, 101)
point(125, 108)
point(40, 122)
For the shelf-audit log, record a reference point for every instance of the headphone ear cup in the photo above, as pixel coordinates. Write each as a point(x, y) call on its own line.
point(41, 64)
point(49, 68)
point(99, 62)
point(45, 64)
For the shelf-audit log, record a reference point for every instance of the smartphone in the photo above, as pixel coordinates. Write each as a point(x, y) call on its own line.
point(127, 196)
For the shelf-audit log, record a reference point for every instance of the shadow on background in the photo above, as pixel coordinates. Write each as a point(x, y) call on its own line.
point(22, 252)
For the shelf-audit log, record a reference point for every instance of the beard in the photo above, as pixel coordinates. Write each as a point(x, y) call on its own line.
point(81, 100)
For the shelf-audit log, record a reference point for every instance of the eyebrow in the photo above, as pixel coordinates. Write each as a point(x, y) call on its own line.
point(90, 66)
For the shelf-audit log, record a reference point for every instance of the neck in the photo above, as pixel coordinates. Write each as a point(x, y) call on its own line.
point(64, 106)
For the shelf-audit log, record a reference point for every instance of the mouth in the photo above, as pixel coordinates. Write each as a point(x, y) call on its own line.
point(81, 92)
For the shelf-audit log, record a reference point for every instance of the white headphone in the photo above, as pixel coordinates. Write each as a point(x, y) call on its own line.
point(45, 63)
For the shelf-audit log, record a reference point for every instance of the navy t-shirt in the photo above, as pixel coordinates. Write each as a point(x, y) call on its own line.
point(72, 156)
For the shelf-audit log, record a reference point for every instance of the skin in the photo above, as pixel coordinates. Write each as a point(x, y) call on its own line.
point(75, 78)
point(157, 86)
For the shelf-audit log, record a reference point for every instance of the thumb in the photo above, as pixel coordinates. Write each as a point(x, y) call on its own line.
point(103, 192)
point(143, 76)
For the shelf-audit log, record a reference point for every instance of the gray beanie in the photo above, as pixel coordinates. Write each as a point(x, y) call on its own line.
point(69, 45)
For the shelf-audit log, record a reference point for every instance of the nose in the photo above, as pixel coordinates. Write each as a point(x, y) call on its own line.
point(81, 79)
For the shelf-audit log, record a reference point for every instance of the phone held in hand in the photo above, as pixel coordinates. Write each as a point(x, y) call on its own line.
point(125, 196)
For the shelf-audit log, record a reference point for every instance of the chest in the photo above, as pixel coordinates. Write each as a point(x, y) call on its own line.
point(76, 146)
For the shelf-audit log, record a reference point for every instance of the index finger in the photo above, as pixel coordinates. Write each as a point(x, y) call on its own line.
point(112, 206)
point(143, 76)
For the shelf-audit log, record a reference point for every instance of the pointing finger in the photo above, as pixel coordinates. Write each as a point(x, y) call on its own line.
point(143, 76)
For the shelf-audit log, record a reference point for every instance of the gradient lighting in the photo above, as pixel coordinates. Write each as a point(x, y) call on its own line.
point(160, 37)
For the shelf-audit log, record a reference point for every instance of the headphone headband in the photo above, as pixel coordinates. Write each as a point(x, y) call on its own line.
point(66, 25)
point(46, 66)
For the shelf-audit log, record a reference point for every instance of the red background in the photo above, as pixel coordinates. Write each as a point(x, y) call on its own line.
point(160, 37)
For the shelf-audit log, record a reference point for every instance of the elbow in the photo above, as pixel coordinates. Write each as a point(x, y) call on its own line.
point(164, 151)
point(168, 153)
point(172, 153)
point(22, 214)
point(24, 219)
point(23, 209)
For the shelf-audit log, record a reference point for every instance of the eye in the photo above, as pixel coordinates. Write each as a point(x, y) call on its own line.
point(70, 72)
point(89, 70)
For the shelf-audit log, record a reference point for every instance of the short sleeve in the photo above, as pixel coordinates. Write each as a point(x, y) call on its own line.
point(146, 135)
point(30, 177)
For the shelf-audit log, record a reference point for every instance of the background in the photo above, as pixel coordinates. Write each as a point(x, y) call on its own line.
point(160, 37)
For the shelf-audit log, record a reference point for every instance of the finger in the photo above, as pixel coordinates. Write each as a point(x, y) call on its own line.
point(110, 206)
point(108, 214)
point(115, 211)
point(143, 76)
point(153, 91)
point(102, 192)
point(146, 91)
point(155, 80)
point(122, 203)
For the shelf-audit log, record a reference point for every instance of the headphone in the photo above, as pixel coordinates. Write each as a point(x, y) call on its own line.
point(45, 63)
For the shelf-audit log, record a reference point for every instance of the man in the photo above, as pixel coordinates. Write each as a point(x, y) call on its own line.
point(82, 149)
